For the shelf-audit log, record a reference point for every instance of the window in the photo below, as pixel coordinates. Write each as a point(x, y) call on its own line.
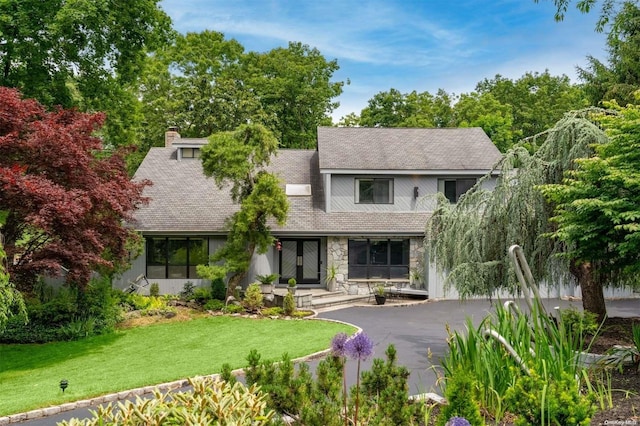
point(454, 188)
point(378, 258)
point(190, 153)
point(176, 257)
point(374, 191)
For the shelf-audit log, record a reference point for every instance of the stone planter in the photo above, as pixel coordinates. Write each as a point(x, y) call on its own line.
point(292, 289)
point(332, 284)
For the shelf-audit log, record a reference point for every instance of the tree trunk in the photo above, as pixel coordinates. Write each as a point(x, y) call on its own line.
point(234, 281)
point(592, 290)
point(239, 276)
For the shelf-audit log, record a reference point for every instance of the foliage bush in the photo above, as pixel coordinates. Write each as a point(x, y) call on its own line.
point(201, 295)
point(385, 392)
point(289, 304)
point(461, 400)
point(187, 291)
point(66, 314)
point(218, 289)
point(495, 365)
point(537, 399)
point(319, 401)
point(273, 311)
point(154, 289)
point(253, 299)
point(233, 309)
point(579, 323)
point(214, 305)
point(210, 402)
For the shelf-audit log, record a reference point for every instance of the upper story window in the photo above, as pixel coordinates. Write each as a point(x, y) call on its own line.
point(454, 188)
point(190, 153)
point(374, 191)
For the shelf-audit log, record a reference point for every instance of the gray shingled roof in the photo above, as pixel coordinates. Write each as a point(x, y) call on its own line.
point(405, 149)
point(183, 200)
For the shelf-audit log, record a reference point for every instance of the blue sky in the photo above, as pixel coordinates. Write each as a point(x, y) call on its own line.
point(408, 45)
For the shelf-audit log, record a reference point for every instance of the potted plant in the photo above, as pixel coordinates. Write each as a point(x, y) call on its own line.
point(380, 297)
point(266, 282)
point(292, 285)
point(330, 279)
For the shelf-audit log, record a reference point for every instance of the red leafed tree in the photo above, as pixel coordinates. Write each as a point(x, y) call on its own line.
point(67, 200)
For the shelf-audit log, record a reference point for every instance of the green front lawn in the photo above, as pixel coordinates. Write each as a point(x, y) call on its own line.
point(30, 374)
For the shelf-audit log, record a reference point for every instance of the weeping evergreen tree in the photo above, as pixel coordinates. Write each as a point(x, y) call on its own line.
point(470, 239)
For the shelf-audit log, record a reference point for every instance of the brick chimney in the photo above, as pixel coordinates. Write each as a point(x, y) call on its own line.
point(170, 135)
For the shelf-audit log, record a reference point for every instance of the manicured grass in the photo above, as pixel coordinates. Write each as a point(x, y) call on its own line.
point(30, 374)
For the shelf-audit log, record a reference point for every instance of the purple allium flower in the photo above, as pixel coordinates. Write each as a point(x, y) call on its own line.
point(458, 421)
point(359, 347)
point(338, 344)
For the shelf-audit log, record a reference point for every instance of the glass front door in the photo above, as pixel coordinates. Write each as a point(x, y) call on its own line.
point(300, 259)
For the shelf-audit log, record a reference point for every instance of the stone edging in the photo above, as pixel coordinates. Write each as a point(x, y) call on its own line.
point(122, 395)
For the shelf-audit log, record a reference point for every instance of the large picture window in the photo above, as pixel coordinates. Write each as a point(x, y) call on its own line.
point(374, 191)
point(454, 188)
point(176, 257)
point(379, 258)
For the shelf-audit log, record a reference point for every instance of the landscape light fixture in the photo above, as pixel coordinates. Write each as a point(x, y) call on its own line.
point(63, 384)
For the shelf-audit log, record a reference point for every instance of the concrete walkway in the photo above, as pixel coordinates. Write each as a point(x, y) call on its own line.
point(415, 330)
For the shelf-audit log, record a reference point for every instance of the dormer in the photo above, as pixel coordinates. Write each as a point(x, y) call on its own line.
point(186, 148)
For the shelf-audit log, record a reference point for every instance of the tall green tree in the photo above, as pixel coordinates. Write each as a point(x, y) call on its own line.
point(470, 239)
point(597, 205)
point(395, 109)
point(495, 118)
point(238, 158)
point(81, 53)
point(294, 85)
point(196, 85)
point(620, 78)
point(537, 100)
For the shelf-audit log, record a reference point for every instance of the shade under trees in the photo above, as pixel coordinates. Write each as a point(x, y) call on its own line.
point(470, 239)
point(66, 201)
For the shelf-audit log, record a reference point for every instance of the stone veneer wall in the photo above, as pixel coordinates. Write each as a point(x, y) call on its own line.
point(338, 255)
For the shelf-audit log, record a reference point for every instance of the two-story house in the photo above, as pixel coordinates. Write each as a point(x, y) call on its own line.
point(359, 203)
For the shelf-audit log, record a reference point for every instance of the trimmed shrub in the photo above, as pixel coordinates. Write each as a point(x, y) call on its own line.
point(289, 304)
point(253, 299)
point(218, 289)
